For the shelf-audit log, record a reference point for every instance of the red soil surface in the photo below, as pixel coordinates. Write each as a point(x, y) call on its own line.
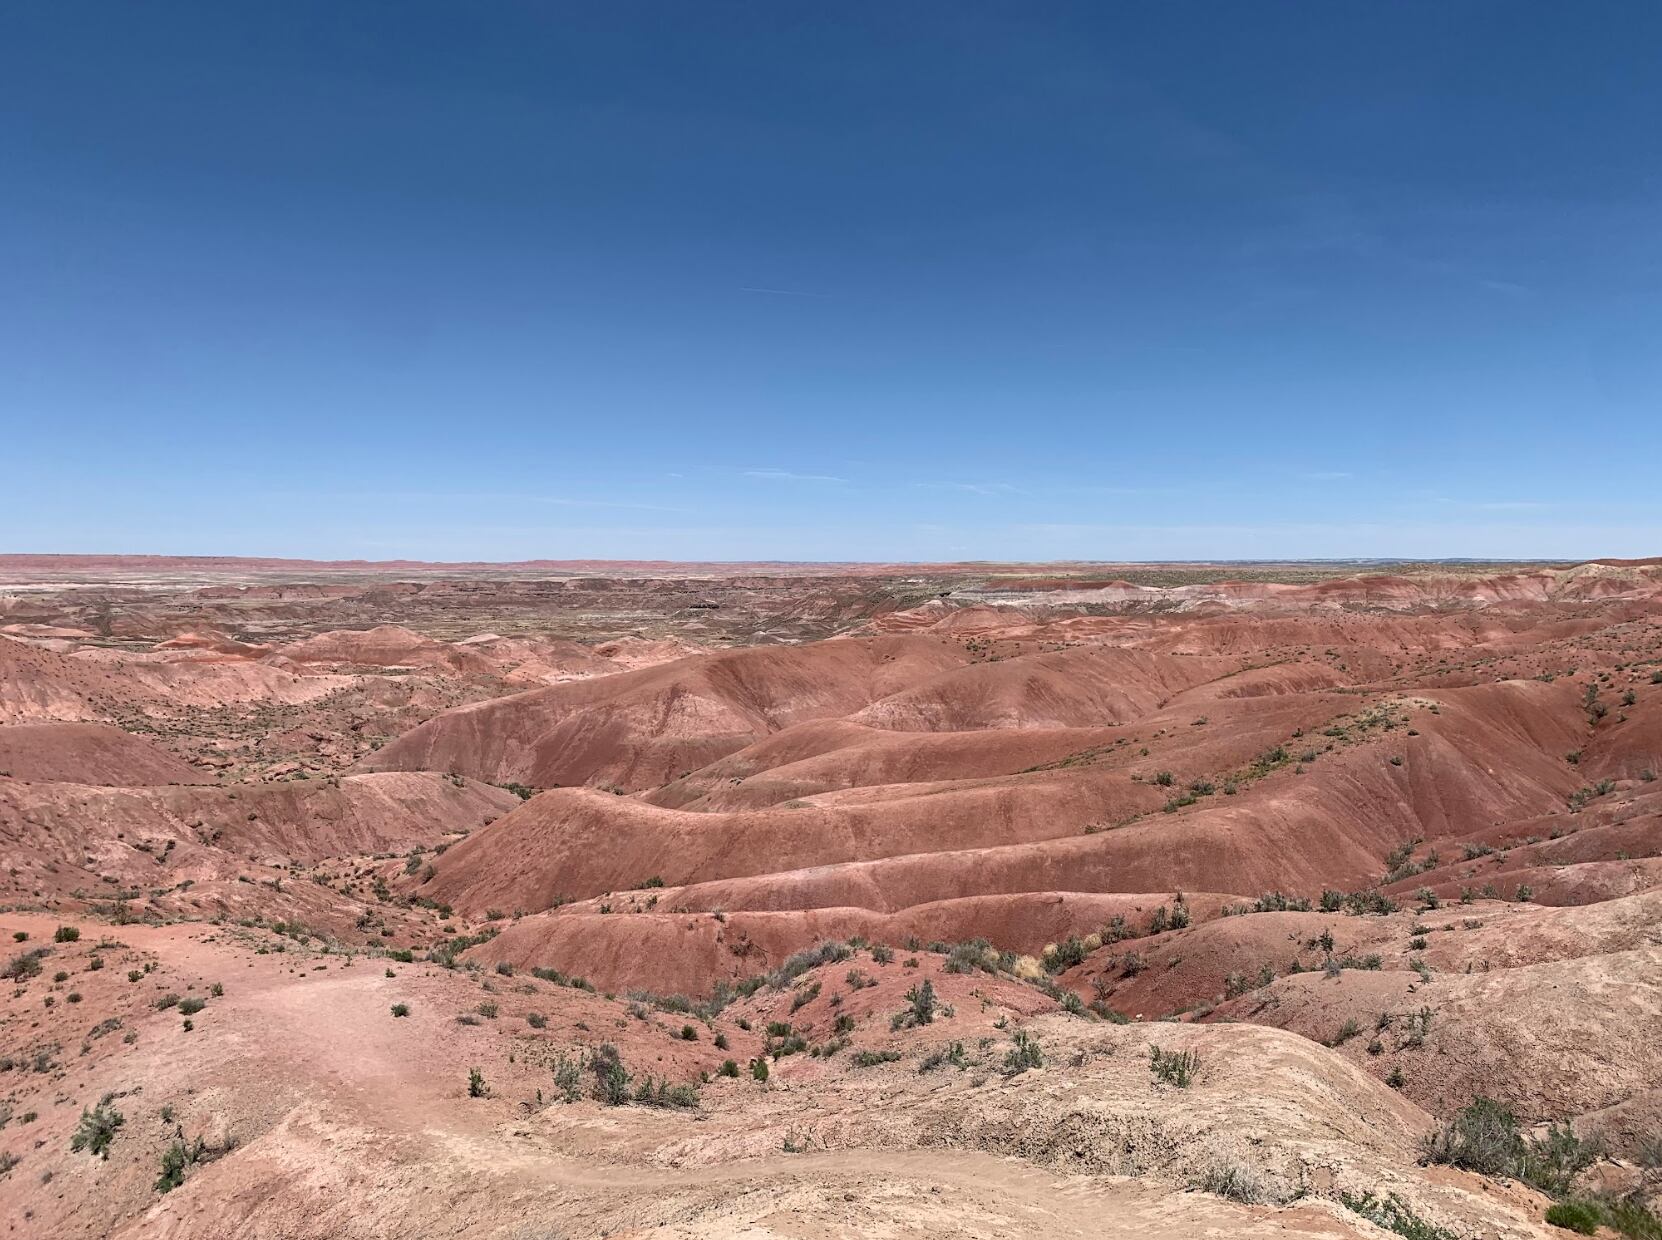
point(1370, 844)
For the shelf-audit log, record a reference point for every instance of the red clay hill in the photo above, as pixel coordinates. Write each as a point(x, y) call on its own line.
point(585, 898)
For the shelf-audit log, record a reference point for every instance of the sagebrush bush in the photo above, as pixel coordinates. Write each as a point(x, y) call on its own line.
point(1485, 1138)
point(1173, 1067)
point(97, 1128)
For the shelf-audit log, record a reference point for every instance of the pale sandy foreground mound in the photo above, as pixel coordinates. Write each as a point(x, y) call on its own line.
point(305, 1107)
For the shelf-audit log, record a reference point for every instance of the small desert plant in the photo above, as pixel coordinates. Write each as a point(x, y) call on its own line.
point(1173, 1067)
point(922, 1001)
point(175, 1159)
point(953, 1054)
point(610, 1076)
point(870, 1059)
point(1582, 1217)
point(652, 1093)
point(97, 1128)
point(476, 1087)
point(1485, 1138)
point(1393, 1214)
point(1023, 1055)
point(66, 934)
point(803, 997)
point(1233, 1181)
point(23, 967)
point(568, 1078)
point(401, 1009)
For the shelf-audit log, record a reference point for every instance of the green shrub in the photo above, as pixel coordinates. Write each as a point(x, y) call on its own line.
point(1485, 1138)
point(802, 998)
point(401, 1009)
point(1392, 1213)
point(175, 1159)
point(1071, 951)
point(952, 1053)
point(476, 1087)
point(1023, 1055)
point(870, 1059)
point(191, 1006)
point(662, 1094)
point(922, 1001)
point(1552, 1161)
point(1632, 1217)
point(568, 1079)
point(23, 967)
point(66, 934)
point(1582, 1217)
point(611, 1078)
point(97, 1128)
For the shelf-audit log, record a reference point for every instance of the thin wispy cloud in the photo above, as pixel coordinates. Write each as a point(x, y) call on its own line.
point(780, 292)
point(496, 498)
point(1497, 505)
point(785, 475)
point(973, 488)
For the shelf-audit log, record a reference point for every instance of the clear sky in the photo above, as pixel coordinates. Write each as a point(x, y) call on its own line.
point(831, 281)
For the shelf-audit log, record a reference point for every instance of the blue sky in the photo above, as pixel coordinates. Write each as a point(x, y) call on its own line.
point(852, 281)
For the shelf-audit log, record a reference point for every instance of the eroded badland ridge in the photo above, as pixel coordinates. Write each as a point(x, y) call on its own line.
point(571, 899)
